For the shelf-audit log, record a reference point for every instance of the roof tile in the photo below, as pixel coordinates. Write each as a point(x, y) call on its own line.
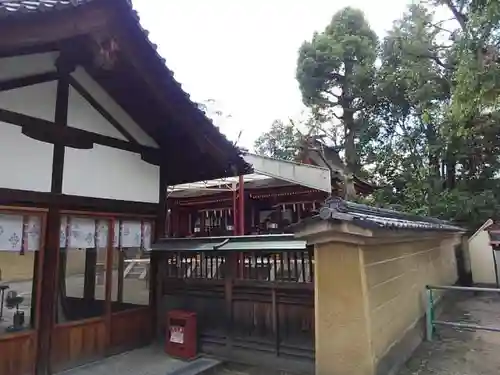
point(12, 7)
point(373, 217)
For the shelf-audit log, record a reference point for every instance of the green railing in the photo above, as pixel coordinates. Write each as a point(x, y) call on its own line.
point(431, 322)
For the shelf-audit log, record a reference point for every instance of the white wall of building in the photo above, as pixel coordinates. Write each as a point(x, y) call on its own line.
point(25, 163)
point(21, 66)
point(77, 112)
point(481, 257)
point(105, 172)
point(101, 172)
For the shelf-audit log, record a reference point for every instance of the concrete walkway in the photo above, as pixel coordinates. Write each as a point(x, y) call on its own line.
point(146, 361)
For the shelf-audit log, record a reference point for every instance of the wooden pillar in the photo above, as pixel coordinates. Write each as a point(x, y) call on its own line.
point(235, 210)
point(230, 270)
point(90, 273)
point(121, 271)
point(241, 206)
point(49, 284)
point(175, 219)
point(108, 281)
point(154, 287)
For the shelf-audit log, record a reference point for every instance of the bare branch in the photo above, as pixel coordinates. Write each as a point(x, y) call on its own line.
point(433, 57)
point(330, 92)
point(436, 26)
point(459, 16)
point(341, 118)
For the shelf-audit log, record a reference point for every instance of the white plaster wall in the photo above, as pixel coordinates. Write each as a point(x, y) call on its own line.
point(25, 163)
point(20, 66)
point(78, 112)
point(109, 173)
point(481, 258)
point(102, 172)
point(37, 100)
point(82, 115)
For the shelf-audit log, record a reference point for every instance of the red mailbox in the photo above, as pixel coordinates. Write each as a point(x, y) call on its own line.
point(181, 334)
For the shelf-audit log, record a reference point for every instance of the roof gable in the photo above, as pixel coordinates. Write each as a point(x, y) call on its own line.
point(175, 122)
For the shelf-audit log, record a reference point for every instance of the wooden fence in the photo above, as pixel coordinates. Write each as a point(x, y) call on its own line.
point(254, 301)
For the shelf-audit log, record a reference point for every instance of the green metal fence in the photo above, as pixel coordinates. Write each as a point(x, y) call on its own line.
point(431, 321)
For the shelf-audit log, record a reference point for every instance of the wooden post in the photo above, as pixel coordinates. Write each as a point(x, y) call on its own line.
point(228, 294)
point(108, 282)
point(161, 262)
point(50, 263)
point(49, 291)
point(90, 273)
point(275, 320)
point(240, 217)
point(155, 288)
point(235, 210)
point(121, 270)
point(241, 206)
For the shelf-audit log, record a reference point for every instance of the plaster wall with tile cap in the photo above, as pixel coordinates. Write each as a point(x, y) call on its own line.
point(369, 285)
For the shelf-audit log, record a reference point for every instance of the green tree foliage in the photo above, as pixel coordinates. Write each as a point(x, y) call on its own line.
point(425, 117)
point(336, 75)
point(280, 141)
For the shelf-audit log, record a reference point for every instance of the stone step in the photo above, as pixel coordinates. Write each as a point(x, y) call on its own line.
point(199, 366)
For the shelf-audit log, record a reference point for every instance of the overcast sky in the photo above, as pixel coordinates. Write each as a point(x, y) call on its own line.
point(243, 53)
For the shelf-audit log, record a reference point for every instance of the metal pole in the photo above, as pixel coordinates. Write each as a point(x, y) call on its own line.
point(241, 206)
point(429, 316)
point(467, 326)
point(464, 288)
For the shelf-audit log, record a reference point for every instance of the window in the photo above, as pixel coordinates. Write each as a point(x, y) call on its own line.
point(131, 264)
point(82, 268)
point(20, 245)
point(84, 248)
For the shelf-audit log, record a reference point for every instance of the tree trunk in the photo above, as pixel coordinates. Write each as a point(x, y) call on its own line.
point(351, 158)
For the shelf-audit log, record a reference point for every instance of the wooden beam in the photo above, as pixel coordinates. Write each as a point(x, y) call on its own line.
point(14, 197)
point(102, 111)
point(49, 132)
point(30, 50)
point(60, 121)
point(16, 83)
point(52, 27)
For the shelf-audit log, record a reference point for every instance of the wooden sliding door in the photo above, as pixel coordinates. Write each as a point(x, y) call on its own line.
point(21, 254)
point(102, 288)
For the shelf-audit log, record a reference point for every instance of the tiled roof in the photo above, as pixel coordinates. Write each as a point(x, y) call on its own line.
point(13, 7)
point(20, 8)
point(372, 217)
